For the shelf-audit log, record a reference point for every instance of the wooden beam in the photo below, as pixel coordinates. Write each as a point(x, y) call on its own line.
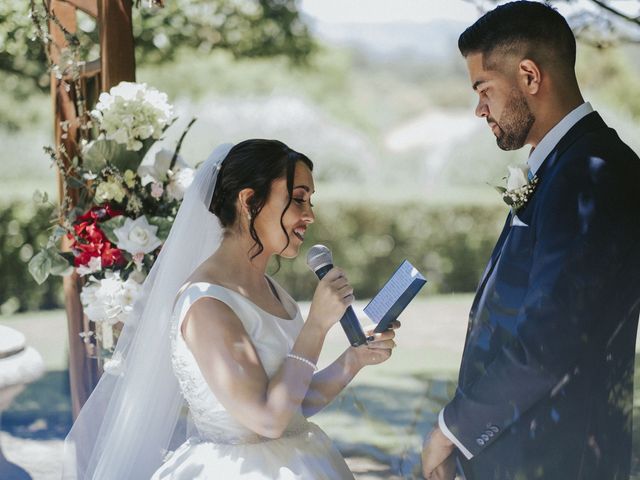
point(87, 70)
point(83, 372)
point(90, 7)
point(116, 42)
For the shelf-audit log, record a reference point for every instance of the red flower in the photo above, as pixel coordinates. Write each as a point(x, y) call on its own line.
point(111, 256)
point(90, 241)
point(100, 214)
point(90, 232)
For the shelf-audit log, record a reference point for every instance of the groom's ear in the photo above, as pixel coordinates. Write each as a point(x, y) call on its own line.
point(244, 200)
point(529, 76)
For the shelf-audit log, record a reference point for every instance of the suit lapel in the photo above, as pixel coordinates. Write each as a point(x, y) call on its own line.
point(490, 266)
point(590, 122)
point(496, 252)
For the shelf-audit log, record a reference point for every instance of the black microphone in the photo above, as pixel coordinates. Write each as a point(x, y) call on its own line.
point(320, 260)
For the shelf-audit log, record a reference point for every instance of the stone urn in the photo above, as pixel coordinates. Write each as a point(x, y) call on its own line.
point(19, 366)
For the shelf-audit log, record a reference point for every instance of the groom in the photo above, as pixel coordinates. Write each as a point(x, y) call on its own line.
point(545, 388)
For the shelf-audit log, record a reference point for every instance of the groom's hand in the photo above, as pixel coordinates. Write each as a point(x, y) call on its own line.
point(437, 459)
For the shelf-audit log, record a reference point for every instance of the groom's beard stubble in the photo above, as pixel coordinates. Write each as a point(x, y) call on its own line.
point(515, 124)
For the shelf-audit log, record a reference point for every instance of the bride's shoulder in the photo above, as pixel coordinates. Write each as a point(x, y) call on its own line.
point(198, 279)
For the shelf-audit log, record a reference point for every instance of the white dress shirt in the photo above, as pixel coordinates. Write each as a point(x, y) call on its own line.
point(553, 136)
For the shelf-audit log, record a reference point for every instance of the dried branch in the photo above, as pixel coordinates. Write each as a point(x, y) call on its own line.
point(617, 13)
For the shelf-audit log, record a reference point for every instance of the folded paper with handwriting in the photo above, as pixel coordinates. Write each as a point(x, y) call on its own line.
point(394, 296)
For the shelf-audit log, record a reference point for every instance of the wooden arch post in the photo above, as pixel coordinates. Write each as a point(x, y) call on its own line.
point(116, 64)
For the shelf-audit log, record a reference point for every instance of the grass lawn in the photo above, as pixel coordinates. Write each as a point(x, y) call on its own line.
point(382, 416)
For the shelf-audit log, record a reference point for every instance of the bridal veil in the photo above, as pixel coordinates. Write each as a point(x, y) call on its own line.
point(127, 424)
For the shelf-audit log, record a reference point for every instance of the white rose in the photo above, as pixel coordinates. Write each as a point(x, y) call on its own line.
point(517, 177)
point(137, 236)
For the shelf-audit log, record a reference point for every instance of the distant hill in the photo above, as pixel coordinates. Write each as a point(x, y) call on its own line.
point(434, 41)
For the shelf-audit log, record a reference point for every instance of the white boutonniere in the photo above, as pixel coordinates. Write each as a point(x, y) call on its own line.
point(519, 188)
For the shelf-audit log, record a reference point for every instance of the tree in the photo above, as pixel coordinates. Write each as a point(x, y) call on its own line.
point(601, 23)
point(257, 28)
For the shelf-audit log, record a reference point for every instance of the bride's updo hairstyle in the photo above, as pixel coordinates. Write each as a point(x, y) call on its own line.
point(254, 164)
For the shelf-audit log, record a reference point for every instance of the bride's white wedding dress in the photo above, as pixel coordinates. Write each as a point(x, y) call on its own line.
point(223, 447)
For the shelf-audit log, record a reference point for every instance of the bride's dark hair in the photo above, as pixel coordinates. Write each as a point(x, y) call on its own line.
point(254, 164)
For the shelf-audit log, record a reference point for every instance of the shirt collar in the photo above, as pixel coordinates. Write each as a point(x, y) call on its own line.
point(553, 136)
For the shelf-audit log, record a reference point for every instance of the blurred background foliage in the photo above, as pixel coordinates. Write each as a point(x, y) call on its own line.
point(403, 169)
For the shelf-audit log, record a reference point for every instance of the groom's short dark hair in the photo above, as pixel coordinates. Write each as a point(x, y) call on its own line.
point(533, 29)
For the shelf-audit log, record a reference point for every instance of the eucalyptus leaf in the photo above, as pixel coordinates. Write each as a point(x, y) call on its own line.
point(164, 226)
point(58, 232)
point(75, 182)
point(40, 267)
point(110, 225)
point(59, 264)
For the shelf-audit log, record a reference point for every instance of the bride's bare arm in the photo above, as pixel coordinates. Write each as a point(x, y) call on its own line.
point(231, 366)
point(329, 382)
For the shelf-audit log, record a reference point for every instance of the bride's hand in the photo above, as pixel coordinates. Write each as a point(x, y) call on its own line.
point(332, 297)
point(377, 350)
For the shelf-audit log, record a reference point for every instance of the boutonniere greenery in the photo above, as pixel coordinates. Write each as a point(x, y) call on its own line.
point(519, 187)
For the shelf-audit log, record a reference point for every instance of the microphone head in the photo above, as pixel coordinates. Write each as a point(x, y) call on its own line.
point(319, 256)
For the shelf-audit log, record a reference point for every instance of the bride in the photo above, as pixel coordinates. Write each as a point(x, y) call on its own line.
point(214, 330)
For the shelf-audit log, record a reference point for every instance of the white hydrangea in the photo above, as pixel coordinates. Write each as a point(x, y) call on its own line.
point(115, 365)
point(94, 265)
point(132, 112)
point(111, 299)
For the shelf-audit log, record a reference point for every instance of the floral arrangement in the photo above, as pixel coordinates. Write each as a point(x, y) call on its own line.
point(519, 187)
point(129, 190)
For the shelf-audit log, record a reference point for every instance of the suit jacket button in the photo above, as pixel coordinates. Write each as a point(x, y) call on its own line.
point(495, 429)
point(484, 437)
point(490, 433)
point(480, 442)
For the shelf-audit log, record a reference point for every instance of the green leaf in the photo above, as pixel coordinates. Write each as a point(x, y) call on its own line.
point(164, 226)
point(59, 264)
point(102, 152)
point(40, 267)
point(75, 182)
point(500, 190)
point(110, 225)
point(146, 145)
point(58, 233)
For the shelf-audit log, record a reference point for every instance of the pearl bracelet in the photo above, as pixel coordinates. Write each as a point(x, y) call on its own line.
point(303, 360)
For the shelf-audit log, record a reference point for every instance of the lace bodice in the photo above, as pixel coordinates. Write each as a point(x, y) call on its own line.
point(272, 336)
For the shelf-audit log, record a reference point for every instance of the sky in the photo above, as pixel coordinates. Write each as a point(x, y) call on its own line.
point(419, 11)
point(384, 11)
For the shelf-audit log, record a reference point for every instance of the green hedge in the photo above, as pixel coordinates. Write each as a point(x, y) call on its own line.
point(448, 244)
point(23, 229)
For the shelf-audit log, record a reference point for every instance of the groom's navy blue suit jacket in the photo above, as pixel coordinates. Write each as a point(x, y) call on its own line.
point(546, 381)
